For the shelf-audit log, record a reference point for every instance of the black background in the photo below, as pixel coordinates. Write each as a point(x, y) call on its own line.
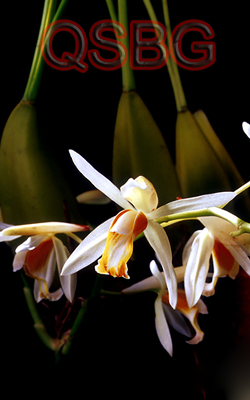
point(121, 353)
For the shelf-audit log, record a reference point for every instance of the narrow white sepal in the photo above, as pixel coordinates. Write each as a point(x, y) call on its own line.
point(19, 260)
point(159, 241)
point(193, 204)
point(89, 250)
point(4, 238)
point(68, 283)
point(197, 266)
point(162, 328)
point(99, 181)
point(152, 283)
point(42, 228)
point(155, 271)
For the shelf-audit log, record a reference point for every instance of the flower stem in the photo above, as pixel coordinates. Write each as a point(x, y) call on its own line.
point(172, 67)
point(75, 237)
point(35, 76)
point(33, 83)
point(111, 9)
point(110, 293)
point(175, 77)
point(208, 212)
point(38, 323)
point(80, 319)
point(128, 80)
point(242, 188)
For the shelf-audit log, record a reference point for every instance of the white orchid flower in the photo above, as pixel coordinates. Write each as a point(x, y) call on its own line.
point(40, 254)
point(164, 314)
point(113, 239)
point(228, 253)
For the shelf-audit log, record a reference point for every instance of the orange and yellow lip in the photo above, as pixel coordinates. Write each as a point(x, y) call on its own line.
point(127, 225)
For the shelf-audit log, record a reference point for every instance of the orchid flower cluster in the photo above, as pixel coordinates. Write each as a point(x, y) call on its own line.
point(224, 239)
point(52, 256)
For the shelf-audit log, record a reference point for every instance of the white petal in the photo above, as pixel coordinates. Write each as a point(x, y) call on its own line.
point(217, 225)
point(152, 283)
point(202, 308)
point(68, 283)
point(19, 260)
point(193, 204)
point(54, 296)
point(162, 328)
point(89, 250)
point(246, 128)
point(99, 181)
point(125, 222)
point(31, 243)
point(51, 296)
point(188, 246)
point(197, 266)
point(4, 226)
point(47, 274)
point(5, 238)
point(159, 241)
point(155, 271)
point(36, 292)
point(42, 228)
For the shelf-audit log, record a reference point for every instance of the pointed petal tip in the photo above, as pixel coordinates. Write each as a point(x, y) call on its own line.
point(72, 152)
point(190, 299)
point(66, 270)
point(157, 274)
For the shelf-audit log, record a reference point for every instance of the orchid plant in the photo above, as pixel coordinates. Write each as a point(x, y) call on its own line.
point(53, 257)
point(113, 241)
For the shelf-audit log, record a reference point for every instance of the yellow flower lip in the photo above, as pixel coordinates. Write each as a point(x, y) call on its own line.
point(127, 225)
point(43, 228)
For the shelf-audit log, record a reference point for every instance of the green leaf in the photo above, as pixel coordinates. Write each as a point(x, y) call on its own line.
point(32, 186)
point(139, 149)
point(226, 161)
point(198, 166)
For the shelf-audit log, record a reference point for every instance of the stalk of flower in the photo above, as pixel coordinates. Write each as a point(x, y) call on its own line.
point(164, 314)
point(113, 239)
point(41, 254)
